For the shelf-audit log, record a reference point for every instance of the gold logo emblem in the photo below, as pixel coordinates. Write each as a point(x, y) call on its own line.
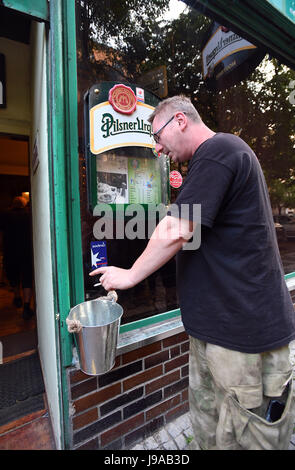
point(123, 99)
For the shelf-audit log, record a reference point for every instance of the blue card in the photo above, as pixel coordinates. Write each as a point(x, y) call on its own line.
point(98, 254)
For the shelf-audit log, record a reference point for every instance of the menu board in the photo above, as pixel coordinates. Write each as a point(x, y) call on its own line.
point(128, 180)
point(144, 181)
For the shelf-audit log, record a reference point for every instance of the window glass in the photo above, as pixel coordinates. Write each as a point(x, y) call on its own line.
point(157, 46)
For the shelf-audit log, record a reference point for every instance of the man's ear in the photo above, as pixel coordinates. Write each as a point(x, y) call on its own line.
point(181, 119)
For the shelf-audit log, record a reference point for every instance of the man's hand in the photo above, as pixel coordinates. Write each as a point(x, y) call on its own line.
point(114, 278)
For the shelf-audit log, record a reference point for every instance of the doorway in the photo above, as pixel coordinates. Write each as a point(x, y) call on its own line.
point(24, 420)
point(29, 422)
point(18, 325)
point(22, 391)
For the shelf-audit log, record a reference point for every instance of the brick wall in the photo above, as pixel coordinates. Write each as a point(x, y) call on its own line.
point(147, 388)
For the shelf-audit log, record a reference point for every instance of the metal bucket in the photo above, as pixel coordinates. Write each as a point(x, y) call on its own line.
point(97, 341)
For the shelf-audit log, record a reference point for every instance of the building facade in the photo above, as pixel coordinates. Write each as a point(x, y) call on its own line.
point(60, 64)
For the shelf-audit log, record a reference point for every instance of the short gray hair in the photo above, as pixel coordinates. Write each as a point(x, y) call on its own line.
point(174, 105)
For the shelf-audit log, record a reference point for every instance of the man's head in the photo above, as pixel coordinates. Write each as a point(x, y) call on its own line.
point(176, 103)
point(173, 121)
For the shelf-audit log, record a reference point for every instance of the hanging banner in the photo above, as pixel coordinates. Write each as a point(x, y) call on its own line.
point(110, 129)
point(223, 43)
point(227, 58)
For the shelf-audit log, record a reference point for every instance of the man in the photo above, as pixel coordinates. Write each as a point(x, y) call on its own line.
point(234, 301)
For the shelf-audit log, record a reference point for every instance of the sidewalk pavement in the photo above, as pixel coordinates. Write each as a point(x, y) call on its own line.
point(177, 436)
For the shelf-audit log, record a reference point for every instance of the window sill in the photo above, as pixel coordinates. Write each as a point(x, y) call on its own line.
point(148, 334)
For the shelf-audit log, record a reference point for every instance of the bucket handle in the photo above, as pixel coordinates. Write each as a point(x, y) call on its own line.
point(112, 296)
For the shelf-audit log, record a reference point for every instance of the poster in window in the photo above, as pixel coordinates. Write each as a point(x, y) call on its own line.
point(112, 179)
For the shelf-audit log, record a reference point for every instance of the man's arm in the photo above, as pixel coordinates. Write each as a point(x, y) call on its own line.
point(167, 239)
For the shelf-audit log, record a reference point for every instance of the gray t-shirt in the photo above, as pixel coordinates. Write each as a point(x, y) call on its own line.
point(232, 290)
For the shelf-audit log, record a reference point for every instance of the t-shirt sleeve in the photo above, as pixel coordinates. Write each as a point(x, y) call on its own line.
point(203, 192)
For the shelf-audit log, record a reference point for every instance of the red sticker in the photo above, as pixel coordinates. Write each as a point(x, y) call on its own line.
point(175, 179)
point(123, 99)
point(157, 154)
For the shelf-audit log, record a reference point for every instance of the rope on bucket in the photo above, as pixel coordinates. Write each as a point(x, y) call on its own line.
point(112, 296)
point(75, 326)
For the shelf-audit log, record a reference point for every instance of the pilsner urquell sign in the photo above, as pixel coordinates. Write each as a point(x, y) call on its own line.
point(122, 121)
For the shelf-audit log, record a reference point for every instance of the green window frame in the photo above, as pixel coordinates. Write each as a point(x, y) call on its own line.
point(38, 9)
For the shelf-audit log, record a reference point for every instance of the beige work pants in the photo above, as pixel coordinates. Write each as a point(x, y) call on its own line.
point(229, 393)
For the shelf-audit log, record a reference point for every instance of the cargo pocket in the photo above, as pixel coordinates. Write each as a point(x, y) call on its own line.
point(228, 428)
point(255, 433)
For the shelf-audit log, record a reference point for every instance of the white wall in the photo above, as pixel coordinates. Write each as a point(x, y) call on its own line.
point(16, 117)
point(41, 227)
